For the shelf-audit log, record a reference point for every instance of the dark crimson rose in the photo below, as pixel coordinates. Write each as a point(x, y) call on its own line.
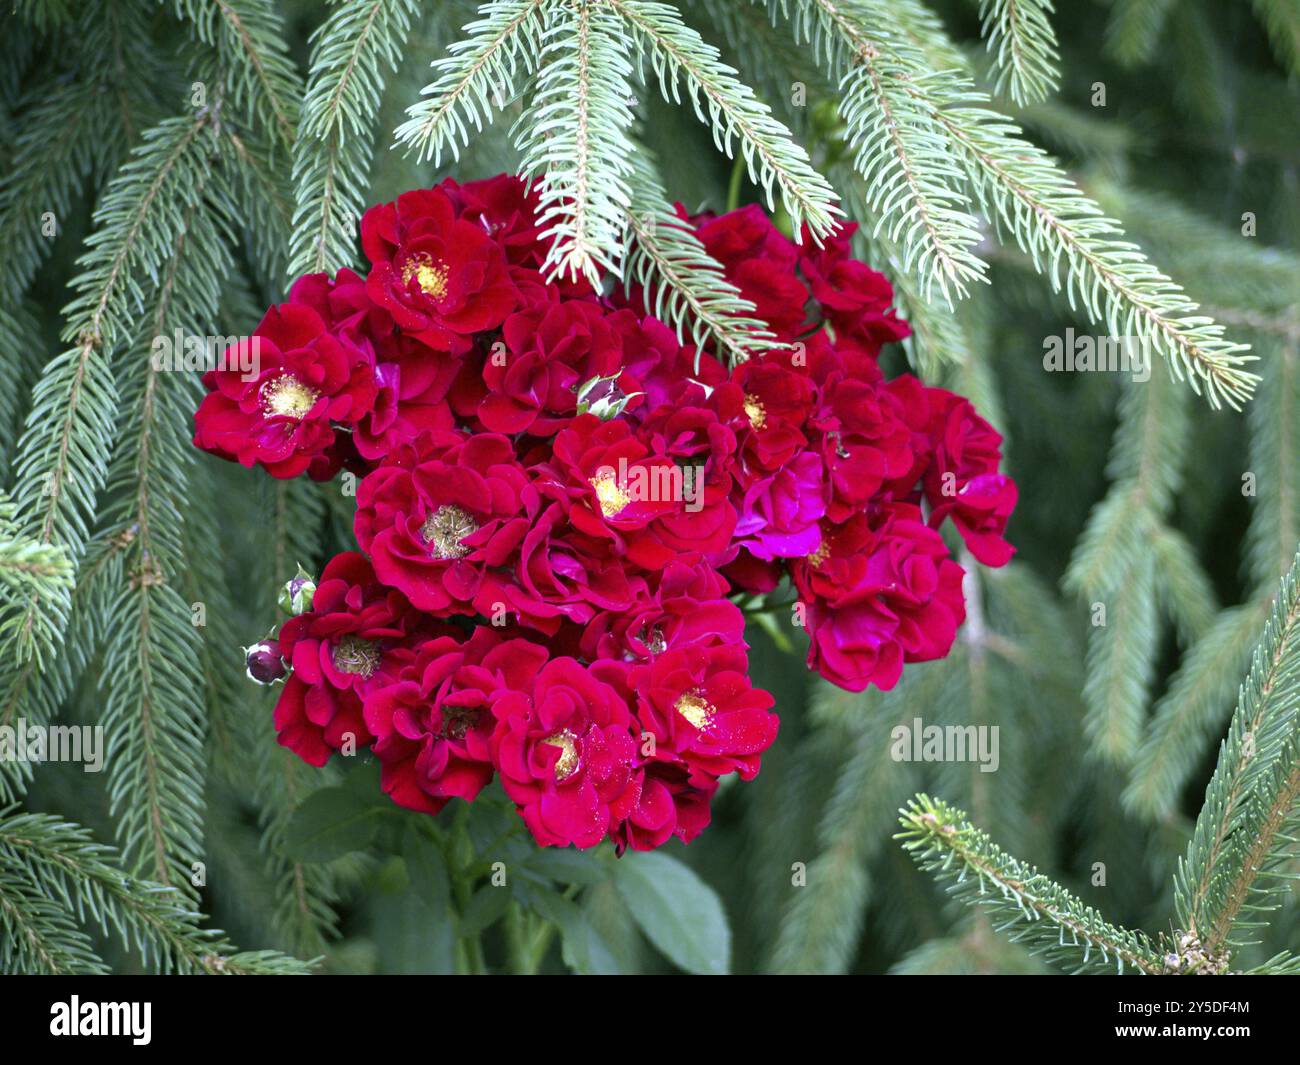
point(442, 518)
point(442, 278)
point(339, 649)
point(879, 593)
point(566, 755)
point(433, 723)
point(528, 381)
point(301, 379)
point(697, 703)
point(855, 299)
point(963, 482)
point(760, 261)
point(672, 801)
point(564, 574)
point(687, 606)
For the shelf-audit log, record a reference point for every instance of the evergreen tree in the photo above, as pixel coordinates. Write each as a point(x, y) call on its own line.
point(1023, 173)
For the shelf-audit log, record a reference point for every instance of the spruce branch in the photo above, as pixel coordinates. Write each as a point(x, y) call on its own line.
point(1069, 238)
point(353, 50)
point(1030, 907)
point(1023, 45)
point(252, 67)
point(71, 422)
point(729, 107)
point(1073, 243)
point(889, 95)
point(682, 284)
point(574, 137)
point(1252, 804)
point(1136, 28)
point(478, 76)
point(1192, 711)
point(79, 882)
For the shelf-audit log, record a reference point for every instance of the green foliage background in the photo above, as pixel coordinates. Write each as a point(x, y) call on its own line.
point(1178, 518)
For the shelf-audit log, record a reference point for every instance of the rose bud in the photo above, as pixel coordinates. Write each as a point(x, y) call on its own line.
point(263, 662)
point(296, 595)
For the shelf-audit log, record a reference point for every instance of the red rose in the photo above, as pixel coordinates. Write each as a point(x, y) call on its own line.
point(698, 705)
point(434, 722)
point(963, 482)
point(855, 299)
point(443, 516)
point(528, 382)
point(339, 650)
point(566, 754)
point(442, 278)
point(688, 606)
point(301, 379)
point(879, 593)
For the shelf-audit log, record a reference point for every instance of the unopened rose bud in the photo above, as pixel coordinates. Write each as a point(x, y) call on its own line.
point(603, 398)
point(263, 662)
point(296, 595)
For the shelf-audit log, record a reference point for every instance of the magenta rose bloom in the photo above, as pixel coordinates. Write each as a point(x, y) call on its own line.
point(562, 574)
point(528, 382)
point(877, 594)
point(963, 481)
point(760, 261)
point(339, 649)
point(779, 513)
point(302, 378)
point(442, 278)
point(443, 516)
point(701, 710)
point(566, 755)
point(433, 723)
point(688, 605)
point(672, 801)
point(856, 300)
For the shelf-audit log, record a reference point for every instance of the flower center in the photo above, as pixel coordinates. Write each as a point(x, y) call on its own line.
point(609, 494)
point(820, 555)
point(445, 528)
point(352, 654)
point(430, 276)
point(568, 744)
point(696, 709)
point(458, 720)
point(755, 411)
point(287, 397)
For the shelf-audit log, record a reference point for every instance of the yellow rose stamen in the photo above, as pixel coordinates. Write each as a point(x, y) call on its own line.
point(568, 744)
point(445, 528)
point(430, 276)
point(609, 494)
point(695, 709)
point(287, 397)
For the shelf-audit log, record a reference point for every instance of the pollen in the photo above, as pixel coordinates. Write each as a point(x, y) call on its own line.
point(287, 397)
point(445, 528)
point(567, 742)
point(820, 555)
point(430, 276)
point(352, 654)
point(695, 709)
point(755, 411)
point(610, 494)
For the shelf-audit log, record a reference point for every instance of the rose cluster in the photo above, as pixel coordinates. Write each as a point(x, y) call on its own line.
point(560, 503)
